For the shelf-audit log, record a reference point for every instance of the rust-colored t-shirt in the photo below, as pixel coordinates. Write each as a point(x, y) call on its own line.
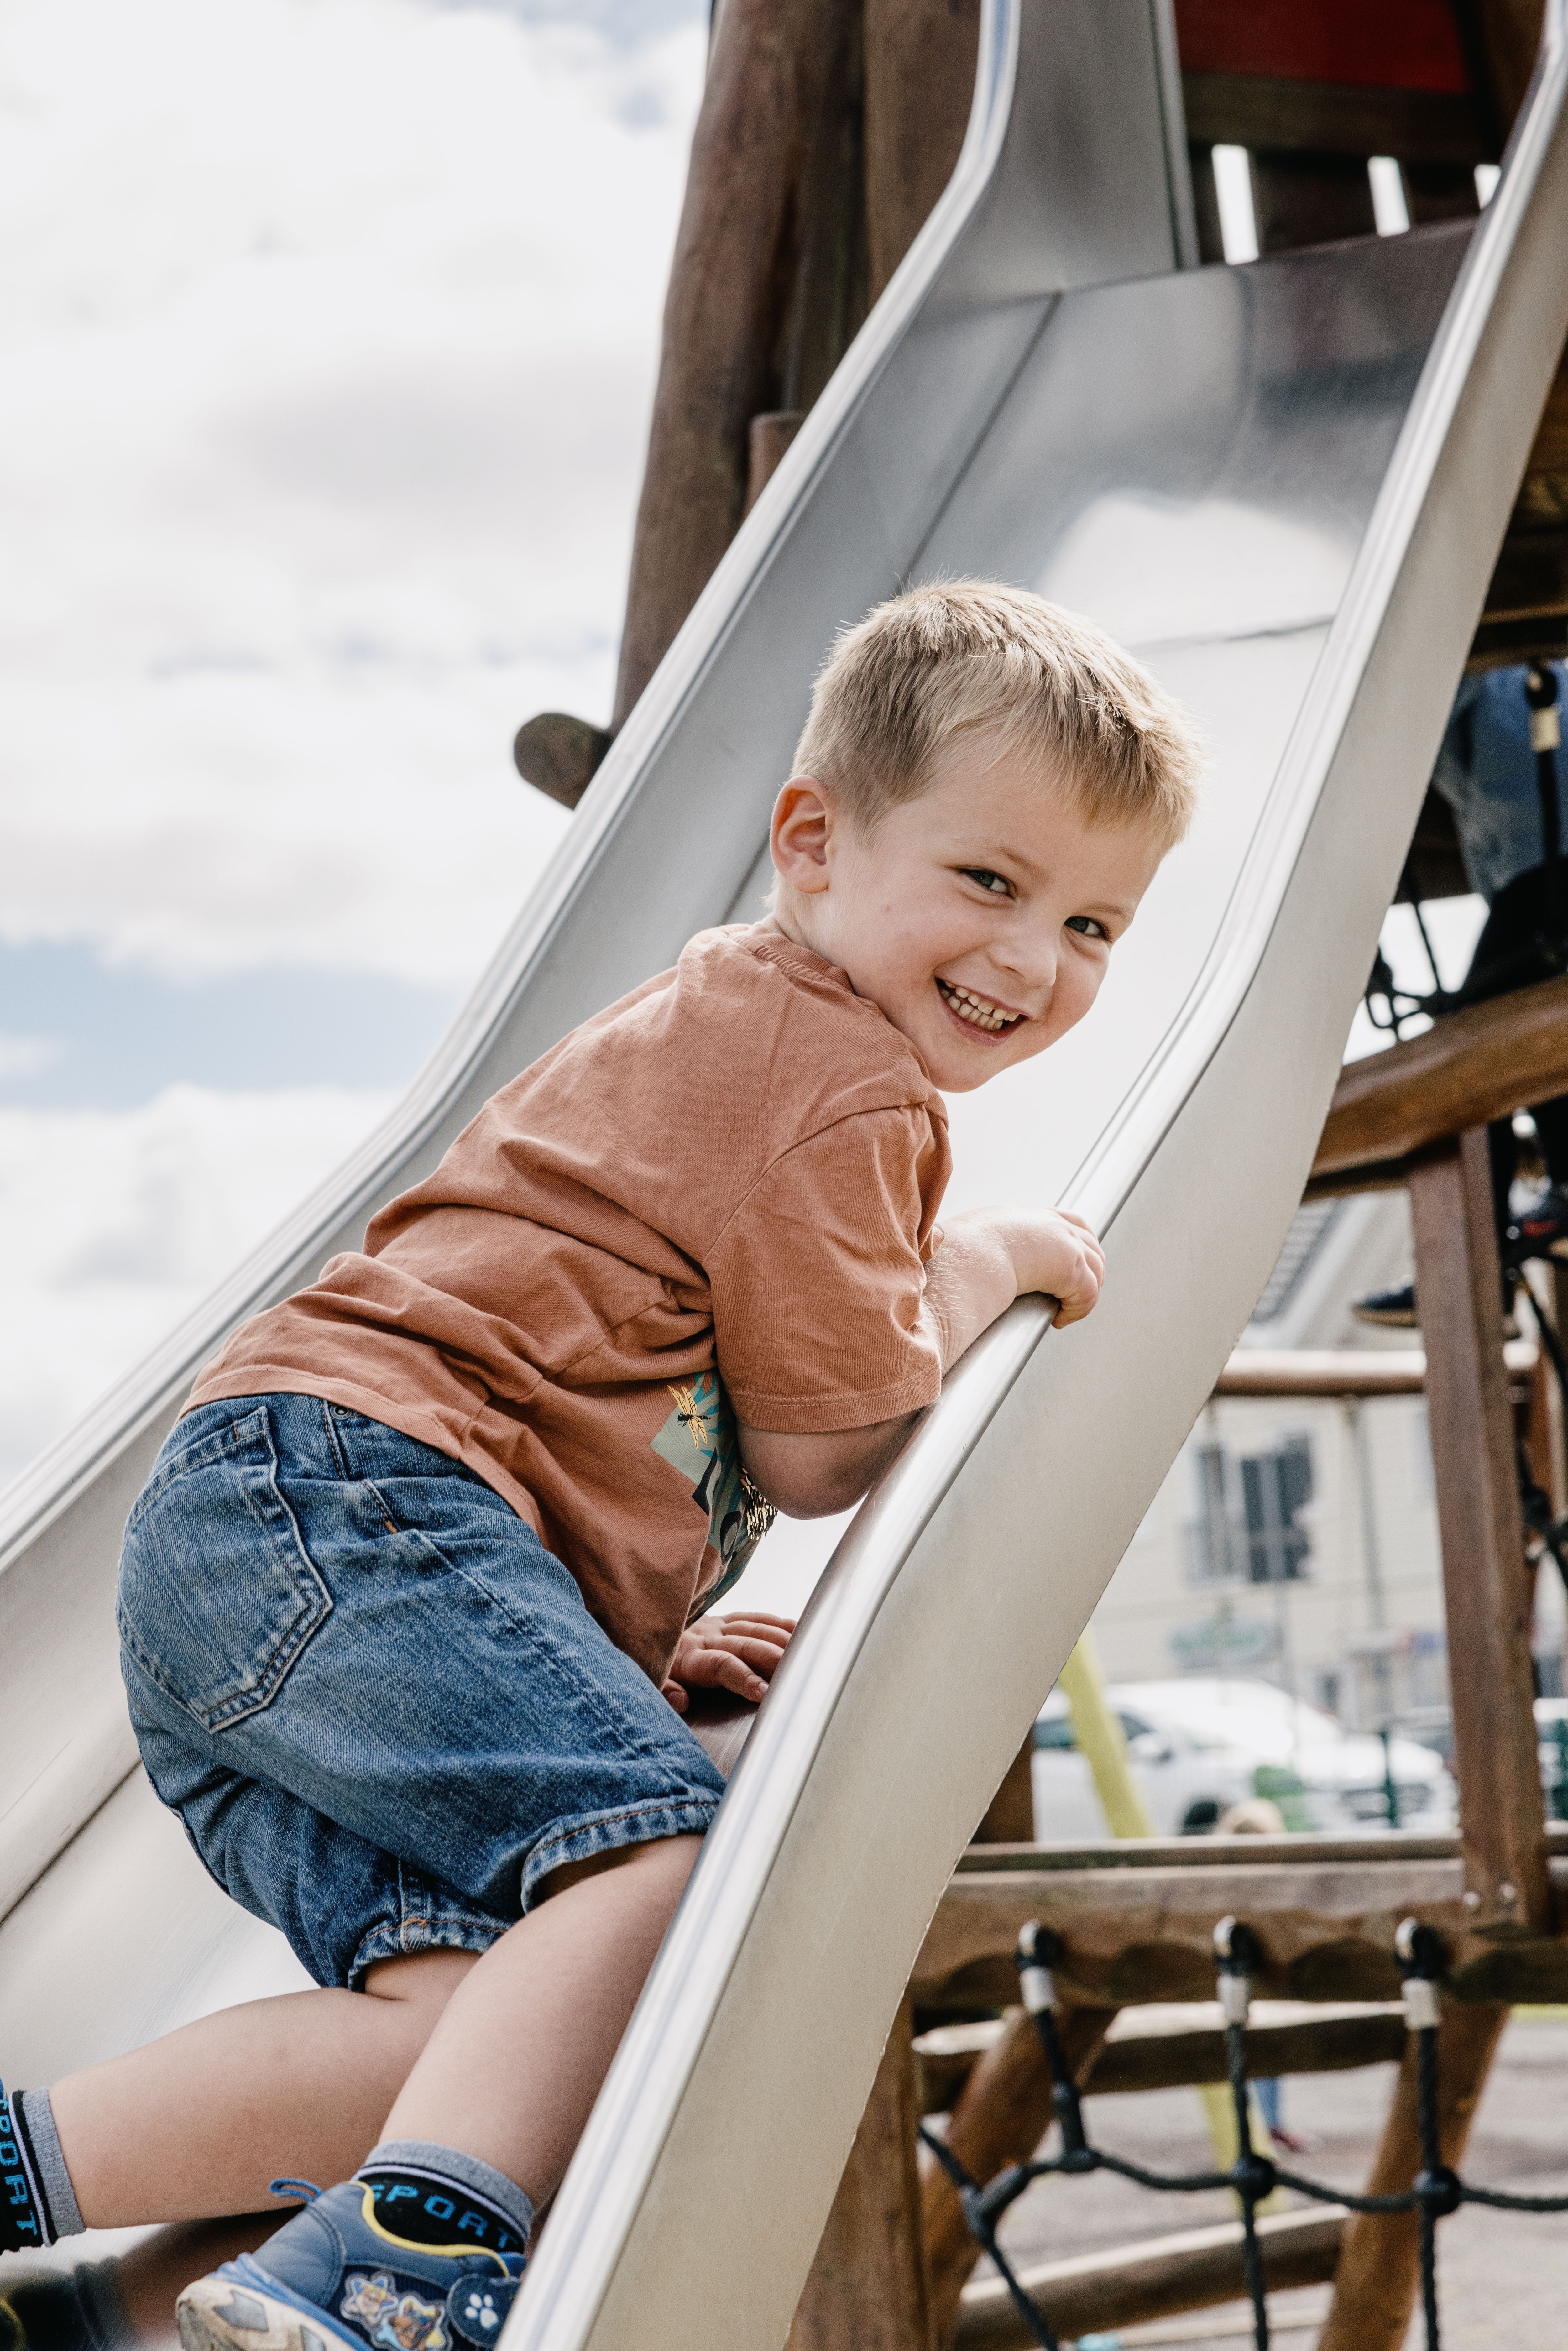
point(715, 1199)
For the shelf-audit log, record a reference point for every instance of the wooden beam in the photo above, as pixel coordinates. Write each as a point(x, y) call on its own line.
point(1145, 1933)
point(1375, 2288)
point(1001, 2115)
point(1173, 2048)
point(1334, 118)
point(1345, 1371)
point(1502, 1826)
point(868, 2289)
point(1476, 1066)
point(1135, 2283)
point(1309, 198)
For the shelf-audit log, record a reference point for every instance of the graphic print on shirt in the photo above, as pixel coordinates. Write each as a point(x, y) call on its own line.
point(700, 1439)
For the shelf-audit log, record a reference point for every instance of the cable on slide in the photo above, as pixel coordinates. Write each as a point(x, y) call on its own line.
point(1437, 2191)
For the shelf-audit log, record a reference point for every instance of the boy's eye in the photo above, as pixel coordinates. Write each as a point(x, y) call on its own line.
point(1088, 925)
point(986, 880)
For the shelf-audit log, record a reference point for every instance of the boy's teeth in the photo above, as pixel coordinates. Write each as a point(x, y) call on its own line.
point(972, 1008)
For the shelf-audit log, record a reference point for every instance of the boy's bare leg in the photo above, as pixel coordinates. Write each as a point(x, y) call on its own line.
point(506, 2053)
point(513, 2067)
point(196, 2126)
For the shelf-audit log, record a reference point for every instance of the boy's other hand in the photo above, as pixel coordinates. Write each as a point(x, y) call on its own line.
point(740, 1654)
point(1055, 1251)
point(989, 1257)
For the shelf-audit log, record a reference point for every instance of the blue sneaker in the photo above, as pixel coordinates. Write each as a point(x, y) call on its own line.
point(333, 2274)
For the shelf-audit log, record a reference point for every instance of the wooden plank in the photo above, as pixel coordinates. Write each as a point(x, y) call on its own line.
point(1502, 1824)
point(1309, 196)
point(1375, 2288)
point(1145, 1934)
point(1423, 126)
point(868, 2288)
point(1134, 2284)
point(1345, 1371)
point(1001, 2115)
point(1335, 2040)
point(1179, 2045)
point(1130, 1853)
point(1476, 1066)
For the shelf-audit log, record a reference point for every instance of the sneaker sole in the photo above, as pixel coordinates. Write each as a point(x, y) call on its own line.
point(215, 2316)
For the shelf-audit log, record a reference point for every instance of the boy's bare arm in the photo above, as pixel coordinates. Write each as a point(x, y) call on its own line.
point(989, 1257)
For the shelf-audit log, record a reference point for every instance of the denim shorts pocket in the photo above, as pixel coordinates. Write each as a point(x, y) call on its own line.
point(217, 1594)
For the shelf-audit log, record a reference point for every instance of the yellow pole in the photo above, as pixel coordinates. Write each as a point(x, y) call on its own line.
point(1102, 1743)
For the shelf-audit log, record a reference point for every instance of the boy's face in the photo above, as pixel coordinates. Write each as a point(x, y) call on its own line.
point(979, 916)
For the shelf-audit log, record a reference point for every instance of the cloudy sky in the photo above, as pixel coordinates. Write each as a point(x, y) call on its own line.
point(329, 330)
point(327, 341)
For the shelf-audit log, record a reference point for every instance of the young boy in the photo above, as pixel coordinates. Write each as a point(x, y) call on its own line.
point(416, 1593)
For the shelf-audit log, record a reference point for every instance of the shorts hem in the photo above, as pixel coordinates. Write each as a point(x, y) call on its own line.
point(582, 1840)
point(402, 1939)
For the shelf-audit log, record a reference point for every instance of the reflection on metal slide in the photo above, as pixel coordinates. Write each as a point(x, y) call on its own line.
point(1284, 486)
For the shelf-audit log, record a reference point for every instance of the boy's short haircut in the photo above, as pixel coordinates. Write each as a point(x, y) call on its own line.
point(977, 657)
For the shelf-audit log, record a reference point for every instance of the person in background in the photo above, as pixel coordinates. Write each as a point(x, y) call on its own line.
point(1503, 733)
point(1260, 1816)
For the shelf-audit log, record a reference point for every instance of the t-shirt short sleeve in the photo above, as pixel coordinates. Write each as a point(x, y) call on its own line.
point(817, 1279)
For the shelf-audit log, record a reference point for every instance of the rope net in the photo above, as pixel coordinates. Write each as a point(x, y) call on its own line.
point(1437, 2191)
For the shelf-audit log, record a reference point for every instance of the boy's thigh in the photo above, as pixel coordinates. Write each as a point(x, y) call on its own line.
point(324, 1607)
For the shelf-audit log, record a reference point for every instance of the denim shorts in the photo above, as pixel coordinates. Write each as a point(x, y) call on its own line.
point(376, 1700)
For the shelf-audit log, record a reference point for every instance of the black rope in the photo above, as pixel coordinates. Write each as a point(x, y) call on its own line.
point(1437, 2191)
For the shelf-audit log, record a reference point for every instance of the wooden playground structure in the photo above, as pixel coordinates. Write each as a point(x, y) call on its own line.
point(827, 132)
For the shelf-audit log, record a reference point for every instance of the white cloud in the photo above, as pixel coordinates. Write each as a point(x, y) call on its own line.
point(328, 329)
point(23, 1056)
point(119, 1223)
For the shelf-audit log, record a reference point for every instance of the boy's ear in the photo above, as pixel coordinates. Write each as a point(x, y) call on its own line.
point(803, 819)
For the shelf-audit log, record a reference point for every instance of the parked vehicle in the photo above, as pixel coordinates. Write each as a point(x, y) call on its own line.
point(1188, 1783)
point(1198, 1746)
point(1434, 1727)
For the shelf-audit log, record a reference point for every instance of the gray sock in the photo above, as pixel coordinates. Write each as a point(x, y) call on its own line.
point(38, 2123)
point(439, 2175)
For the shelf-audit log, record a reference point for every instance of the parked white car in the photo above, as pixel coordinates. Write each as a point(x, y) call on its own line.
point(1188, 1783)
point(1197, 1746)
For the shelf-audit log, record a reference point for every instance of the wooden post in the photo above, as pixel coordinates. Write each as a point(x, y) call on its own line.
point(868, 2288)
point(1374, 2286)
point(767, 148)
point(1001, 2115)
point(1502, 1824)
point(1009, 1816)
point(919, 79)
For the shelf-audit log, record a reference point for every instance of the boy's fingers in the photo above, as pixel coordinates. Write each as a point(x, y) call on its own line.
point(676, 1695)
point(762, 1655)
point(724, 1670)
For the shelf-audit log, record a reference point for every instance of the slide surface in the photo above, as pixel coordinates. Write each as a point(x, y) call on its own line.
point(1283, 486)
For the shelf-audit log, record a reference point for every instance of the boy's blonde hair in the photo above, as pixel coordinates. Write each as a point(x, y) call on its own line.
point(974, 656)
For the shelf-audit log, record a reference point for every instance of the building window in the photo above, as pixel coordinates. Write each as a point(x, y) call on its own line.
point(1249, 1525)
point(1275, 1487)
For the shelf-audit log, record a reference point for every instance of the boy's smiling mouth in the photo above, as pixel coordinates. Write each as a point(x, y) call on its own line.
point(977, 1012)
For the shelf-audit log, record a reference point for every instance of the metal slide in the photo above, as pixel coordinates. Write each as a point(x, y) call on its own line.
point(1284, 486)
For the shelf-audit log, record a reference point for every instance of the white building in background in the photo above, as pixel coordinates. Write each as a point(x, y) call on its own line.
point(1297, 1539)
